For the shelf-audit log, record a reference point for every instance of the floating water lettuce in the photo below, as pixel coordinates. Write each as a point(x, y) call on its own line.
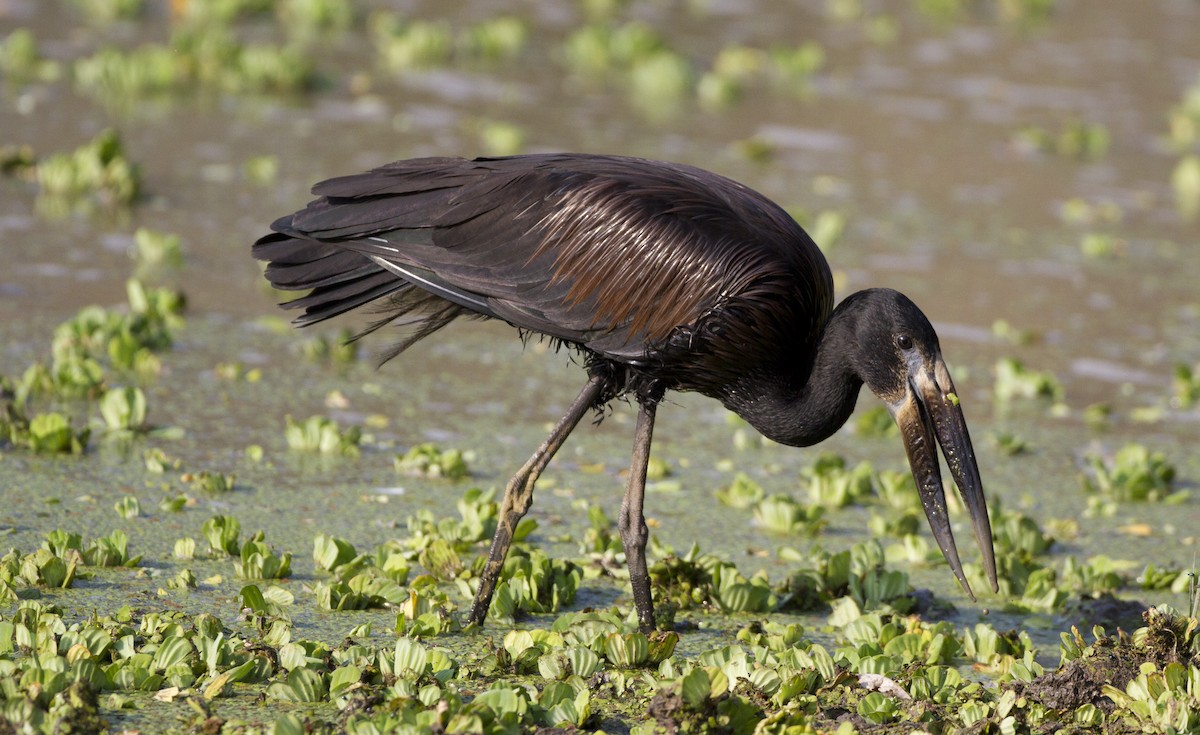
point(1009, 443)
point(429, 460)
point(198, 55)
point(876, 421)
point(477, 522)
point(502, 37)
point(697, 580)
point(536, 583)
point(21, 60)
point(50, 432)
point(124, 409)
point(1014, 380)
point(858, 574)
point(831, 485)
point(598, 49)
point(94, 336)
point(307, 18)
point(257, 560)
point(742, 493)
point(97, 172)
point(1075, 139)
point(1101, 245)
point(156, 250)
point(1133, 473)
point(782, 514)
point(340, 348)
point(128, 507)
point(212, 483)
point(404, 45)
point(322, 435)
point(1185, 379)
point(221, 533)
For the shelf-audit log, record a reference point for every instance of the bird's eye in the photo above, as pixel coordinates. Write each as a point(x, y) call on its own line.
point(904, 342)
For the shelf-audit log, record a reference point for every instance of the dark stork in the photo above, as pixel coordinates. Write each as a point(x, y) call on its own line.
point(663, 277)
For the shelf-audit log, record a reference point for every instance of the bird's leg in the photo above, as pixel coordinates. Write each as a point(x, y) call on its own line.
point(632, 523)
point(518, 495)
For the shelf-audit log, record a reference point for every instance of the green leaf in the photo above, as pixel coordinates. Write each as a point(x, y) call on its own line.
point(517, 641)
point(322, 435)
point(251, 597)
point(627, 650)
point(222, 532)
point(288, 725)
point(429, 460)
point(696, 688)
point(128, 507)
point(877, 708)
point(330, 553)
point(52, 432)
point(174, 650)
point(302, 685)
point(124, 409)
point(410, 660)
point(584, 661)
point(504, 700)
point(743, 492)
point(293, 656)
point(185, 548)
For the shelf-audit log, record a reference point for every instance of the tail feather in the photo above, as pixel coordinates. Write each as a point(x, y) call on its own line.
point(345, 266)
point(296, 264)
point(339, 280)
point(435, 313)
point(326, 302)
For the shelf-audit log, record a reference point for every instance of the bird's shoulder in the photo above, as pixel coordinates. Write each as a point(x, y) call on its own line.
point(663, 249)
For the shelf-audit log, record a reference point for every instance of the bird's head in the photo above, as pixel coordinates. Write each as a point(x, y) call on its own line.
point(900, 360)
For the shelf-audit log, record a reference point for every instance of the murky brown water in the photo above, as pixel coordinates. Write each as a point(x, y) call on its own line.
point(912, 140)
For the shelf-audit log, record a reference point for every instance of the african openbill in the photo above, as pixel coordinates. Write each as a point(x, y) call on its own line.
point(663, 277)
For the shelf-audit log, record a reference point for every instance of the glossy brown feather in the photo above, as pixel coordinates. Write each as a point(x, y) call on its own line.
point(657, 266)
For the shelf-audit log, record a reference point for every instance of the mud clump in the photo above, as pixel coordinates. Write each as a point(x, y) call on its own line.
point(665, 709)
point(1114, 660)
point(1081, 681)
point(1110, 612)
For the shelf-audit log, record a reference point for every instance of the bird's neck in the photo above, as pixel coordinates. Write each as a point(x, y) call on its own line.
point(809, 408)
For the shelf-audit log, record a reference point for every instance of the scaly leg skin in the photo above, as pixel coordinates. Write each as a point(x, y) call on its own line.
point(632, 522)
point(518, 496)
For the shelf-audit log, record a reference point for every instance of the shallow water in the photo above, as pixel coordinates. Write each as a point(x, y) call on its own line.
point(914, 141)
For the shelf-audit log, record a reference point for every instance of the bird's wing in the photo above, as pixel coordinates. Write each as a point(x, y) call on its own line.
point(615, 254)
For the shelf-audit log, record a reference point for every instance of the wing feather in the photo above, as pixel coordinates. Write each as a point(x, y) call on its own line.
point(635, 260)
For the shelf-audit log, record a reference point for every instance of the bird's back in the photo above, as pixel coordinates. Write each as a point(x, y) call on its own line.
point(666, 268)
